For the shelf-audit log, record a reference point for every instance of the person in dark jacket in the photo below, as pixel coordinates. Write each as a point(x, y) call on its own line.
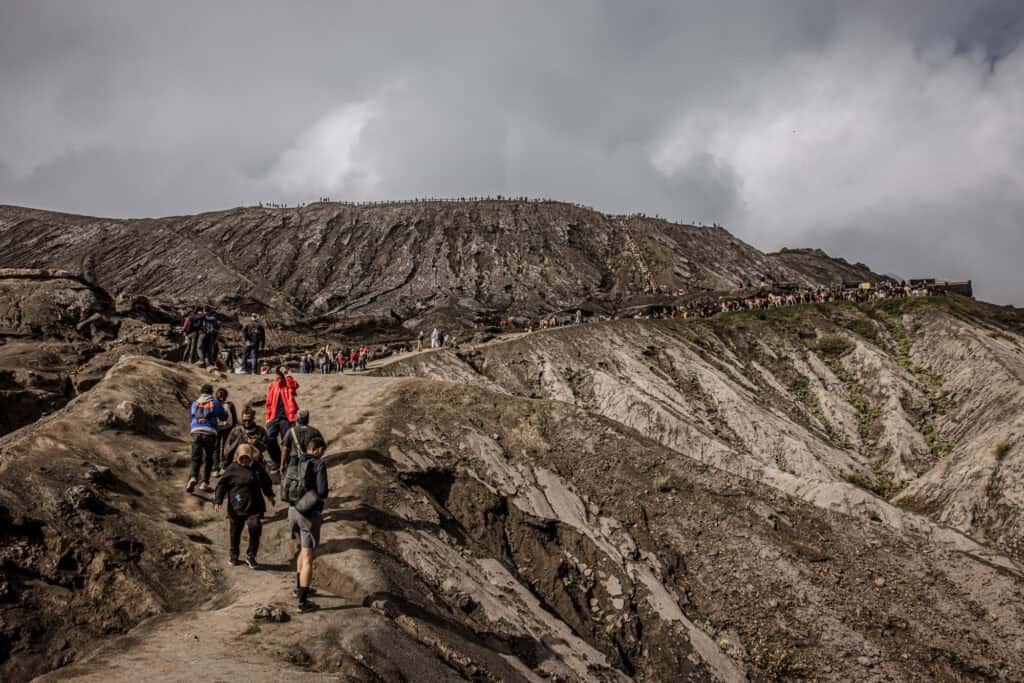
point(209, 328)
point(248, 432)
point(190, 326)
point(306, 526)
point(206, 413)
point(245, 483)
point(223, 429)
point(298, 437)
point(255, 336)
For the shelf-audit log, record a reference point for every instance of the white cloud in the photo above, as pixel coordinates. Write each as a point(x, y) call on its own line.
point(323, 158)
point(822, 140)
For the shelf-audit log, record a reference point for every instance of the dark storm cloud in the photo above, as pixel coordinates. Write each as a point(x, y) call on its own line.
point(886, 132)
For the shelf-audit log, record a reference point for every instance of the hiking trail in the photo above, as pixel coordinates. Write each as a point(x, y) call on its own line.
point(220, 641)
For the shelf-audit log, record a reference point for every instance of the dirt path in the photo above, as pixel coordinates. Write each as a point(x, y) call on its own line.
point(221, 641)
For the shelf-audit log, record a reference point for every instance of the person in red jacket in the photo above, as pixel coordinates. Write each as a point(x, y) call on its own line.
point(282, 411)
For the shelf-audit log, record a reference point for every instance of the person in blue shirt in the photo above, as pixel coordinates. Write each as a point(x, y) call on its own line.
point(206, 413)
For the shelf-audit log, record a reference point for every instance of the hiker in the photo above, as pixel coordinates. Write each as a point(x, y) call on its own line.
point(282, 411)
point(254, 335)
point(205, 414)
point(304, 487)
point(340, 360)
point(298, 437)
point(245, 484)
point(435, 338)
point(207, 342)
point(323, 362)
point(190, 328)
point(248, 432)
point(224, 428)
point(353, 360)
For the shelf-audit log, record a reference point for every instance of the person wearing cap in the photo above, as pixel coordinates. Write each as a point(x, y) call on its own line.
point(297, 440)
point(282, 411)
point(245, 484)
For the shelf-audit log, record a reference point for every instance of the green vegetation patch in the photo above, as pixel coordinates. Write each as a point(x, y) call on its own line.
point(834, 346)
point(1001, 450)
point(862, 327)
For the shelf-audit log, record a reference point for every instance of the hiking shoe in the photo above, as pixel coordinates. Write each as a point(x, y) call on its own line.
point(309, 591)
point(191, 485)
point(205, 486)
point(250, 562)
point(233, 561)
point(216, 474)
point(308, 606)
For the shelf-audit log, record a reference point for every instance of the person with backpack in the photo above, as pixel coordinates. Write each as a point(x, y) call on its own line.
point(206, 413)
point(304, 487)
point(207, 342)
point(255, 336)
point(248, 432)
point(224, 428)
point(298, 437)
point(245, 484)
point(282, 412)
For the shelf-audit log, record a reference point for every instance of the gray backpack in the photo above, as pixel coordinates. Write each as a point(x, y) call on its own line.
point(293, 484)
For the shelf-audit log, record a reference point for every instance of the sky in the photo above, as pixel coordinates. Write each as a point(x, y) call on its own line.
point(885, 132)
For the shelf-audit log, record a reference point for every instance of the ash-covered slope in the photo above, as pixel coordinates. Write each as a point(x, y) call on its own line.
point(472, 535)
point(396, 262)
point(918, 401)
point(814, 265)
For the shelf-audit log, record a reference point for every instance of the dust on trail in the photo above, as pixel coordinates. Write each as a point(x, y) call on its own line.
point(219, 641)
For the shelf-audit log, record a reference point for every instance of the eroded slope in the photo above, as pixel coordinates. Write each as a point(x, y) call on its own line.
point(392, 262)
point(830, 403)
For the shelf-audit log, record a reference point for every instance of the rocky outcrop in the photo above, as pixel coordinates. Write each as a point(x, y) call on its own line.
point(50, 303)
point(59, 333)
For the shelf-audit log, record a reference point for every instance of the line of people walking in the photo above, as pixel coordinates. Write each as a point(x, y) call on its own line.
point(245, 458)
point(325, 361)
point(201, 329)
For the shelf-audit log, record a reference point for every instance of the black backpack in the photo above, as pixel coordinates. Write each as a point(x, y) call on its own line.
point(240, 501)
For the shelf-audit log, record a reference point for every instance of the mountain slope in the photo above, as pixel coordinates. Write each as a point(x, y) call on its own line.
point(828, 403)
point(472, 535)
point(391, 262)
